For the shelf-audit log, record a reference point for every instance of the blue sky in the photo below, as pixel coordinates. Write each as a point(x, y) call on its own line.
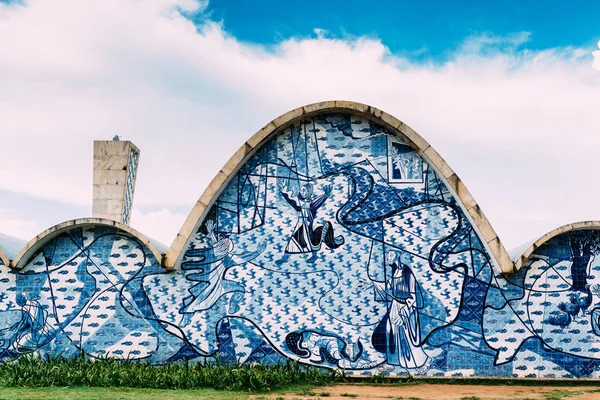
point(507, 92)
point(419, 29)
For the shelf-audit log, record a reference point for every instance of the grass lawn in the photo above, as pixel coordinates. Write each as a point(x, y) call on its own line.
point(116, 394)
point(98, 393)
point(304, 392)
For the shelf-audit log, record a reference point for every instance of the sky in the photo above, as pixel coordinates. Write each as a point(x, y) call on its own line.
point(507, 92)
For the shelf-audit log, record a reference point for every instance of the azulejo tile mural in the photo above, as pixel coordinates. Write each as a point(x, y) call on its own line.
point(337, 245)
point(83, 293)
point(544, 320)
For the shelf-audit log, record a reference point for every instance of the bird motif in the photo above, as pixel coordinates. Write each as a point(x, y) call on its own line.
point(560, 318)
point(584, 300)
point(572, 306)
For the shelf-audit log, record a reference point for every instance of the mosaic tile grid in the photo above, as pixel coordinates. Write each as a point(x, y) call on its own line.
point(335, 245)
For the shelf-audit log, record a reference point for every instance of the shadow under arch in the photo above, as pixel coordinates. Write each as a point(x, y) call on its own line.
point(472, 210)
point(31, 248)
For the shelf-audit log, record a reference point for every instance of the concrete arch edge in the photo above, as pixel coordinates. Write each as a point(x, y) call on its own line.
point(576, 226)
point(24, 256)
point(472, 210)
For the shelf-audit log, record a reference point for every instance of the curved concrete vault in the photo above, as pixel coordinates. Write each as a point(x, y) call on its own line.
point(34, 245)
point(576, 226)
point(336, 236)
point(4, 261)
point(395, 126)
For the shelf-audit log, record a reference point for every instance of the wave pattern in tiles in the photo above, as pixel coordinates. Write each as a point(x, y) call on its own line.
point(335, 244)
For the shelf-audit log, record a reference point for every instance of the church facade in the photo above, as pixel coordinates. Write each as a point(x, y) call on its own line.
point(336, 237)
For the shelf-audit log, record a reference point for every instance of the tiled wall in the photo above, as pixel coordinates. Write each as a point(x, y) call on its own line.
point(83, 292)
point(335, 245)
point(544, 320)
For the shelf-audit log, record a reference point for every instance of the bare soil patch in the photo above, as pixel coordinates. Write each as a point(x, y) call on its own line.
point(443, 392)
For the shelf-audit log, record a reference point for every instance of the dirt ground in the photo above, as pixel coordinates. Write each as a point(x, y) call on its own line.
point(444, 392)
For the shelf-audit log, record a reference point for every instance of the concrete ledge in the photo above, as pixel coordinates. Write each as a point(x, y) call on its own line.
point(394, 125)
point(23, 257)
point(577, 226)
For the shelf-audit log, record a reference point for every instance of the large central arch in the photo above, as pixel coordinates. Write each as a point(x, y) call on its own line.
point(396, 127)
point(325, 230)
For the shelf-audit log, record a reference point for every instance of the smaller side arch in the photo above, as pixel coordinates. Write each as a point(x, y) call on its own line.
point(23, 257)
point(4, 258)
point(9, 247)
point(576, 226)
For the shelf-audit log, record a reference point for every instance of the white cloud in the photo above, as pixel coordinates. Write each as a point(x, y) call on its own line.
point(596, 55)
point(12, 225)
point(519, 126)
point(487, 41)
point(162, 225)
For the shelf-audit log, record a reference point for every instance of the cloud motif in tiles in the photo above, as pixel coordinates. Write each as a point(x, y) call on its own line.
point(349, 268)
point(81, 292)
point(558, 301)
point(335, 245)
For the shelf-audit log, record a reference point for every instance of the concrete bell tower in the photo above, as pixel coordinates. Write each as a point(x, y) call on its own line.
point(115, 170)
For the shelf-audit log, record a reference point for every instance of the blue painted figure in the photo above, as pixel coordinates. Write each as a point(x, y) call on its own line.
point(306, 238)
point(31, 332)
point(212, 284)
point(401, 341)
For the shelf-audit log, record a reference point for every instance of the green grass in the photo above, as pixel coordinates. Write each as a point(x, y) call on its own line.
point(83, 372)
point(563, 394)
point(117, 394)
point(81, 377)
point(97, 393)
